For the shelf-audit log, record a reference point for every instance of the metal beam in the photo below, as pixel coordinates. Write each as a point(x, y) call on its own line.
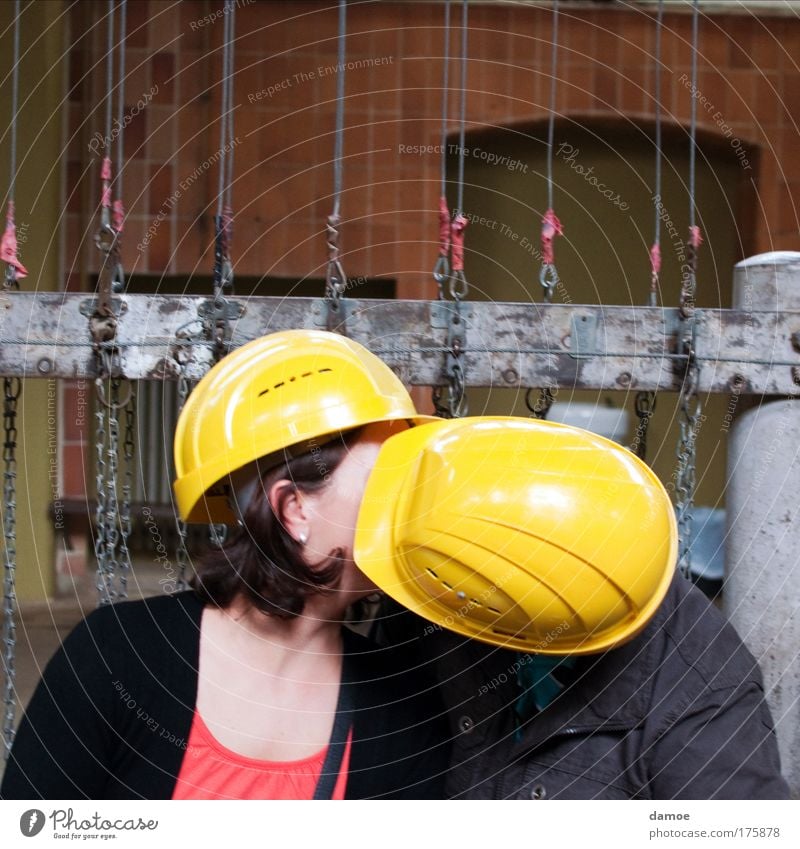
point(507, 344)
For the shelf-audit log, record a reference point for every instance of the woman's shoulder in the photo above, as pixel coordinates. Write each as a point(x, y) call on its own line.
point(146, 624)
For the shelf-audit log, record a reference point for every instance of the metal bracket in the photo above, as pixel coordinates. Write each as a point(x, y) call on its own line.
point(325, 316)
point(90, 307)
point(583, 336)
point(442, 313)
point(223, 310)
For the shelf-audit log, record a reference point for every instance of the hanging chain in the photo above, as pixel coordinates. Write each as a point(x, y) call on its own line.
point(128, 453)
point(181, 552)
point(441, 270)
point(541, 407)
point(218, 322)
point(645, 404)
point(645, 407)
point(335, 278)
point(12, 390)
point(106, 444)
point(690, 403)
point(690, 420)
point(456, 404)
point(13, 387)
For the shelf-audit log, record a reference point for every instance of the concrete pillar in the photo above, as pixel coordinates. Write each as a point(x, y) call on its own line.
point(762, 586)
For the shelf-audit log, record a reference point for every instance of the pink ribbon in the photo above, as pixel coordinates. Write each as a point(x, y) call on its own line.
point(8, 246)
point(551, 227)
point(655, 258)
point(457, 229)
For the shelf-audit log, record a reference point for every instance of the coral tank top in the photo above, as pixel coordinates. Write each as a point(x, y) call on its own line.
point(212, 771)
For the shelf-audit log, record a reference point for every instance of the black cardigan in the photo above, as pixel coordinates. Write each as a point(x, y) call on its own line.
point(111, 716)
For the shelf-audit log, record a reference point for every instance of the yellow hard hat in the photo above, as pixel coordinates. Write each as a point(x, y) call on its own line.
point(521, 533)
point(278, 391)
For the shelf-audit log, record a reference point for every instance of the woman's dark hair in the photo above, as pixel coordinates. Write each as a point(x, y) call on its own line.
point(261, 561)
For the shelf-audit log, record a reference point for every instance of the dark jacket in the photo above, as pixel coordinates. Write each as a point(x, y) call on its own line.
point(112, 713)
point(677, 713)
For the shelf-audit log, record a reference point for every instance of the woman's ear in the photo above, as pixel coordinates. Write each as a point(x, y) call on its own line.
point(290, 508)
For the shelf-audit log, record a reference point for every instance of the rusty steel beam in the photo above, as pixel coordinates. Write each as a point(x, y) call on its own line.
point(47, 334)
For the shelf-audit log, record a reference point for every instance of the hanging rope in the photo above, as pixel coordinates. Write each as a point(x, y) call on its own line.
point(217, 325)
point(690, 403)
point(551, 226)
point(217, 320)
point(335, 278)
point(112, 516)
point(441, 271)
point(655, 249)
point(12, 389)
point(118, 210)
point(223, 220)
point(646, 401)
point(9, 252)
point(453, 372)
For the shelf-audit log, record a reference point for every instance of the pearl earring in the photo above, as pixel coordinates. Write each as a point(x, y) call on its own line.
point(303, 537)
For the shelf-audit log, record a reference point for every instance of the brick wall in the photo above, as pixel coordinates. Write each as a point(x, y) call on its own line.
point(748, 85)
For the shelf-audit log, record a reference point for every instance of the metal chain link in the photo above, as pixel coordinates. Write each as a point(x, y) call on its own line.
point(181, 552)
point(13, 388)
point(125, 524)
point(541, 408)
point(107, 446)
point(645, 407)
point(690, 421)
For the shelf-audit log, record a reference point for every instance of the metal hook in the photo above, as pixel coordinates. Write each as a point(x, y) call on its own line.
point(111, 405)
point(118, 279)
point(441, 272)
point(335, 280)
point(548, 277)
point(11, 281)
point(13, 387)
point(458, 285)
point(106, 238)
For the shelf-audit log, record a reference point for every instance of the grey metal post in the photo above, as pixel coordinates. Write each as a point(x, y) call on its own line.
point(762, 587)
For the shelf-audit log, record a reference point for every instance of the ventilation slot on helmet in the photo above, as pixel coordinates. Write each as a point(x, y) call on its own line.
point(512, 634)
point(292, 380)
